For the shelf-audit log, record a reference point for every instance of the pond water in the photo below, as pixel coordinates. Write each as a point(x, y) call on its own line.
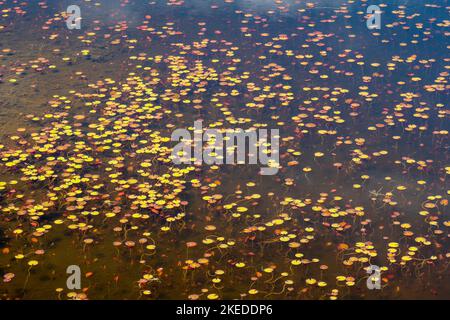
point(87, 177)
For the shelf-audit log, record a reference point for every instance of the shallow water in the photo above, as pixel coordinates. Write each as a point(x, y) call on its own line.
point(374, 103)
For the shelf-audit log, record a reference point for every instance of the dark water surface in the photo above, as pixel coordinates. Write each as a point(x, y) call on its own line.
point(85, 171)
